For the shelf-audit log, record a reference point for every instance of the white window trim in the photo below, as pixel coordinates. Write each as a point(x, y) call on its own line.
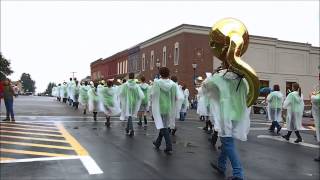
point(118, 68)
point(121, 67)
point(176, 54)
point(164, 56)
point(126, 66)
point(143, 64)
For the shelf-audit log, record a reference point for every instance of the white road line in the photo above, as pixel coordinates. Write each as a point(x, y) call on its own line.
point(90, 165)
point(40, 159)
point(266, 129)
point(87, 162)
point(279, 138)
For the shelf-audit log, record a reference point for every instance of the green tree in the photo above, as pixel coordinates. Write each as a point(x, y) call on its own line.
point(49, 88)
point(27, 83)
point(5, 69)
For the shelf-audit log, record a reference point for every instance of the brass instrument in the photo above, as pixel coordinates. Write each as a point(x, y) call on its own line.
point(229, 40)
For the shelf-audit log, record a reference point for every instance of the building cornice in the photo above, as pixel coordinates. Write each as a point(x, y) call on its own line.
point(203, 30)
point(194, 29)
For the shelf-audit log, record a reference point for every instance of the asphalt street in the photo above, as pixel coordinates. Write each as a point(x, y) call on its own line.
point(50, 140)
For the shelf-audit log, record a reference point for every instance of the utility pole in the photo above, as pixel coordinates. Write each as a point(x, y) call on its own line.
point(73, 74)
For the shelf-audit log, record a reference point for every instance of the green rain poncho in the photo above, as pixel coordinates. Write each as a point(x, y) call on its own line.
point(274, 107)
point(83, 95)
point(231, 117)
point(63, 91)
point(146, 91)
point(131, 96)
point(93, 100)
point(165, 95)
point(109, 103)
point(295, 106)
point(75, 90)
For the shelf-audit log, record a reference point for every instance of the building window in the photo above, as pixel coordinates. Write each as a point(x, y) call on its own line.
point(143, 64)
point(135, 65)
point(176, 53)
point(289, 87)
point(152, 60)
point(164, 56)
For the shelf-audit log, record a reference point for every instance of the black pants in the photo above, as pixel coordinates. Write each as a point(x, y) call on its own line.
point(275, 124)
point(164, 132)
point(64, 100)
point(129, 123)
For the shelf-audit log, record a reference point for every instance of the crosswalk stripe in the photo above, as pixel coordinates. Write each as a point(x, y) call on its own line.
point(37, 153)
point(73, 142)
point(25, 125)
point(33, 138)
point(36, 145)
point(31, 133)
point(32, 123)
point(29, 129)
point(312, 128)
point(6, 159)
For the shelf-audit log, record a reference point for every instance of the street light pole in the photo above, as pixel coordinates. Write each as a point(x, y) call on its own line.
point(194, 66)
point(158, 66)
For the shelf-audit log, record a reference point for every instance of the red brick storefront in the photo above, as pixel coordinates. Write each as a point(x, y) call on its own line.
point(176, 49)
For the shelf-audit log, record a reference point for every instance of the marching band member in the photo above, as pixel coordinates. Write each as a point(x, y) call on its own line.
point(110, 104)
point(295, 106)
point(130, 99)
point(144, 107)
point(231, 117)
point(315, 100)
point(69, 91)
point(93, 100)
point(275, 100)
point(179, 101)
point(63, 92)
point(164, 97)
point(203, 110)
point(185, 104)
point(83, 96)
point(75, 94)
point(58, 92)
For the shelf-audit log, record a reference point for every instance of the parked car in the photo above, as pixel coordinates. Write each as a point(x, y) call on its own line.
point(260, 107)
point(307, 111)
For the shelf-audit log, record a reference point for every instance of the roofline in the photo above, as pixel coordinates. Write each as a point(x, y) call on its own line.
point(190, 28)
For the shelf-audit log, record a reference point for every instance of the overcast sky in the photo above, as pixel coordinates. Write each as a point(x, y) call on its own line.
point(50, 39)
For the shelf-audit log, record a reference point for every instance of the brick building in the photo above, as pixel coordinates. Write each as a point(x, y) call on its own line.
point(187, 46)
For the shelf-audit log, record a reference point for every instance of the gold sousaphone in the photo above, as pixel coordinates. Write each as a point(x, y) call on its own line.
point(229, 40)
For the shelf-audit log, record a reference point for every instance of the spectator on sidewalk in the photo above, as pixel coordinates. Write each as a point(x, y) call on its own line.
point(8, 94)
